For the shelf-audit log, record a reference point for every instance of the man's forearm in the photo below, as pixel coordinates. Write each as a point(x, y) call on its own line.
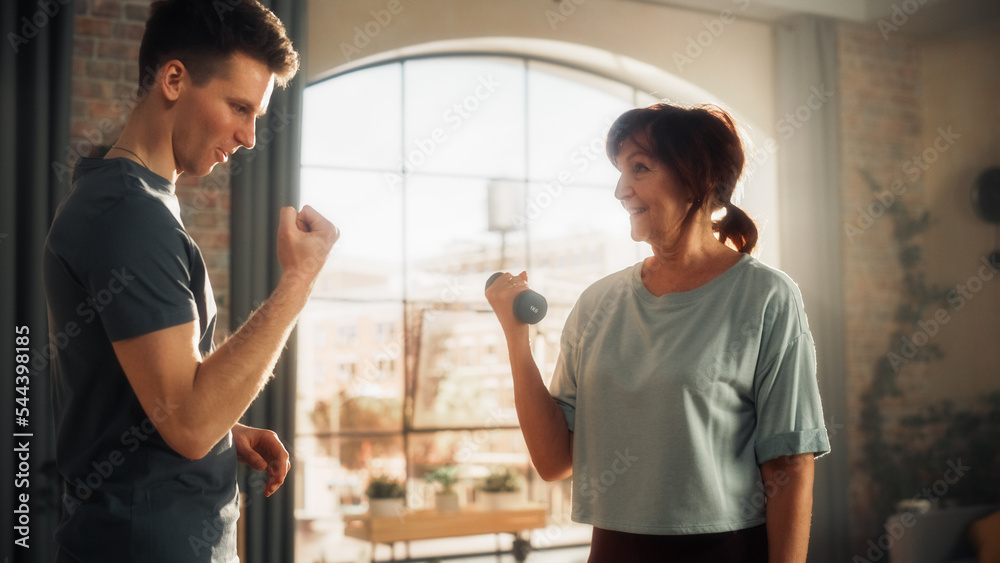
point(229, 379)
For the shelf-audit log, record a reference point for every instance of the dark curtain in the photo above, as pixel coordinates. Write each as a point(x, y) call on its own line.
point(35, 74)
point(809, 188)
point(264, 180)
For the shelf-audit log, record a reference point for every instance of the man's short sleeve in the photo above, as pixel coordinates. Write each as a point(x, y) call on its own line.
point(136, 268)
point(789, 411)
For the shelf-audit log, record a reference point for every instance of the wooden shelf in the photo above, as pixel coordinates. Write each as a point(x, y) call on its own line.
point(430, 524)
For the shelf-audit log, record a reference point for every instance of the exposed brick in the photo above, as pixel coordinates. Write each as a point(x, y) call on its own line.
point(100, 109)
point(81, 7)
point(129, 31)
point(79, 66)
point(83, 47)
point(117, 49)
point(881, 127)
point(224, 255)
point(136, 12)
point(124, 93)
point(78, 107)
point(92, 89)
point(205, 199)
point(220, 280)
point(131, 72)
point(106, 8)
point(211, 220)
point(92, 135)
point(214, 240)
point(110, 70)
point(79, 127)
point(187, 182)
point(92, 27)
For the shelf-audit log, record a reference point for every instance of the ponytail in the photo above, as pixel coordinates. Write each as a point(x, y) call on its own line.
point(738, 228)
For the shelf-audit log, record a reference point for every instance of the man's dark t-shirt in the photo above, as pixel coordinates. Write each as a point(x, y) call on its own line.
point(119, 264)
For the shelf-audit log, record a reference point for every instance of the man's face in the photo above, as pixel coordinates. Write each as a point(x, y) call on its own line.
point(216, 119)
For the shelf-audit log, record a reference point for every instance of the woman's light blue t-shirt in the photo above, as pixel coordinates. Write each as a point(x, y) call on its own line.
point(676, 400)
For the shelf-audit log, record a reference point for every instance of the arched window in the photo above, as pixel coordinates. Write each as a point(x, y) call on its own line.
point(438, 172)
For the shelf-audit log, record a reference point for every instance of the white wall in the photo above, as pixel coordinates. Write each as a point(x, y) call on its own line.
point(736, 66)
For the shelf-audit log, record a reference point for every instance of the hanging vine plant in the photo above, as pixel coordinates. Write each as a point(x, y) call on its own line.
point(940, 435)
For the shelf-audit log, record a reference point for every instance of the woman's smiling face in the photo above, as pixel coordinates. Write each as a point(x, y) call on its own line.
point(650, 193)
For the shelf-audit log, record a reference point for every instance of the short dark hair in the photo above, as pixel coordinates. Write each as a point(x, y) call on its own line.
point(203, 35)
point(702, 147)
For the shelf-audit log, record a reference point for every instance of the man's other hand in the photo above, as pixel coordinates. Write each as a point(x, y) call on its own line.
point(262, 450)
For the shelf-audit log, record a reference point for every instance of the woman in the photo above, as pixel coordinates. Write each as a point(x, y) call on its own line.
point(684, 402)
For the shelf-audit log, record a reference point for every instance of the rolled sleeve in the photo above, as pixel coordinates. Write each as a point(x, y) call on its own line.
point(793, 443)
point(789, 410)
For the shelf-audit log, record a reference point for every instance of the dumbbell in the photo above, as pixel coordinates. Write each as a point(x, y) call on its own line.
point(529, 306)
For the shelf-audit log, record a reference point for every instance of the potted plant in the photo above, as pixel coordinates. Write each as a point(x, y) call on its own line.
point(445, 499)
point(501, 489)
point(386, 497)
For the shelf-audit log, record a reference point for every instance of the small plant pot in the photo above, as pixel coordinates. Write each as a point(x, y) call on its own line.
point(385, 507)
point(501, 501)
point(446, 502)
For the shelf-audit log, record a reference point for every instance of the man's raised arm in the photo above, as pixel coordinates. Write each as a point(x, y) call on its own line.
point(207, 396)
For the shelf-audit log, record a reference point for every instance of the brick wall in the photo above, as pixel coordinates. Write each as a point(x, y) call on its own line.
point(881, 128)
point(106, 41)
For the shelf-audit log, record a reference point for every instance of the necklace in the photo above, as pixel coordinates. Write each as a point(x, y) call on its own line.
point(133, 153)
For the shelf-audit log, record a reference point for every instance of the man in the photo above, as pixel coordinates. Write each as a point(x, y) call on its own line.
point(146, 412)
